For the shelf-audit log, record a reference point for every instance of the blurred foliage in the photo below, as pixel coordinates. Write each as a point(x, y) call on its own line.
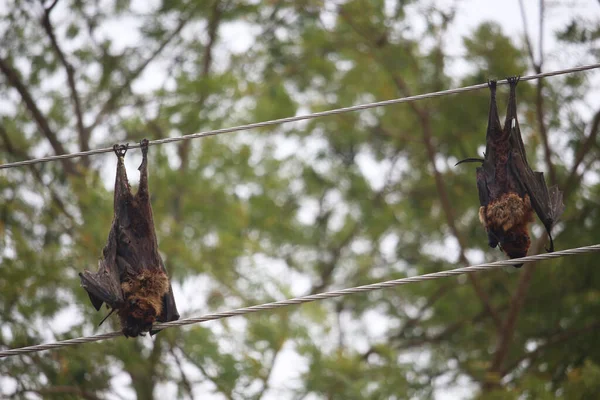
point(301, 208)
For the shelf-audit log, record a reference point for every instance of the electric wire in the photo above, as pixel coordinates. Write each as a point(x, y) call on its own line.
point(299, 117)
point(310, 298)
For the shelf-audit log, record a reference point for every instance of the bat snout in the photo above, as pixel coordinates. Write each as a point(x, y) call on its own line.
point(516, 248)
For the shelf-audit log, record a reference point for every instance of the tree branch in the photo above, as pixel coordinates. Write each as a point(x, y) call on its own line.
point(526, 35)
point(551, 341)
point(539, 103)
point(15, 81)
point(541, 30)
point(327, 267)
point(83, 133)
point(36, 173)
point(508, 329)
point(450, 218)
point(539, 108)
point(267, 377)
point(583, 151)
point(184, 379)
point(56, 390)
point(422, 115)
point(437, 295)
point(448, 331)
point(223, 390)
point(110, 104)
point(213, 29)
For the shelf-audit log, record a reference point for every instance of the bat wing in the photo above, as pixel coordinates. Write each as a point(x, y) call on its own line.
point(547, 203)
point(494, 129)
point(487, 187)
point(104, 286)
point(485, 184)
point(485, 181)
point(169, 308)
point(169, 312)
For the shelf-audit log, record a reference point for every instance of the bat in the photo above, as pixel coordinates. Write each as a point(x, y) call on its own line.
point(509, 190)
point(131, 277)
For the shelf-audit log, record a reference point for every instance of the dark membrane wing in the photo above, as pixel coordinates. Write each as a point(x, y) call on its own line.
point(103, 286)
point(483, 184)
point(548, 205)
point(122, 196)
point(169, 312)
point(548, 208)
point(128, 255)
point(494, 129)
point(511, 124)
point(553, 209)
point(485, 178)
point(169, 309)
point(531, 182)
point(557, 207)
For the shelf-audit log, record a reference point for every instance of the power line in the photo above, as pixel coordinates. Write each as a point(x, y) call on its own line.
point(311, 298)
point(300, 117)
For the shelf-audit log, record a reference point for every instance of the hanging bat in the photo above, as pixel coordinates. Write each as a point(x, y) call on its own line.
point(509, 190)
point(131, 277)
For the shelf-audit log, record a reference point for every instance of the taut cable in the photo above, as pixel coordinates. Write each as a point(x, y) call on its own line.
point(311, 298)
point(299, 117)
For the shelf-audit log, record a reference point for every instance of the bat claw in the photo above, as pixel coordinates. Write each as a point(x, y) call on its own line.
point(492, 84)
point(470, 159)
point(144, 146)
point(513, 80)
point(551, 248)
point(120, 149)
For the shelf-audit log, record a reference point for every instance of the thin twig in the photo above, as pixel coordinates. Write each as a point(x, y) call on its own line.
point(70, 70)
point(116, 93)
point(14, 79)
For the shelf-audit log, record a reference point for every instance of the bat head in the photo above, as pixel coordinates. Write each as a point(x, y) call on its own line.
point(144, 294)
point(137, 316)
point(506, 220)
point(516, 244)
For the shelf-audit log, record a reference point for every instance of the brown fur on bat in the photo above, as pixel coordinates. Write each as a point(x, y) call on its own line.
point(131, 277)
point(509, 190)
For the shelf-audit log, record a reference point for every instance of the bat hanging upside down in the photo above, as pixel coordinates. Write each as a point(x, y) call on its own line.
point(509, 190)
point(131, 277)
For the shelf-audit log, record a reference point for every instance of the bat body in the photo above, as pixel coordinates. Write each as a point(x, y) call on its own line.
point(131, 277)
point(509, 190)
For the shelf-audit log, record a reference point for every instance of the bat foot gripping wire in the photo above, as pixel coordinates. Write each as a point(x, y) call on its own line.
point(120, 149)
point(144, 143)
